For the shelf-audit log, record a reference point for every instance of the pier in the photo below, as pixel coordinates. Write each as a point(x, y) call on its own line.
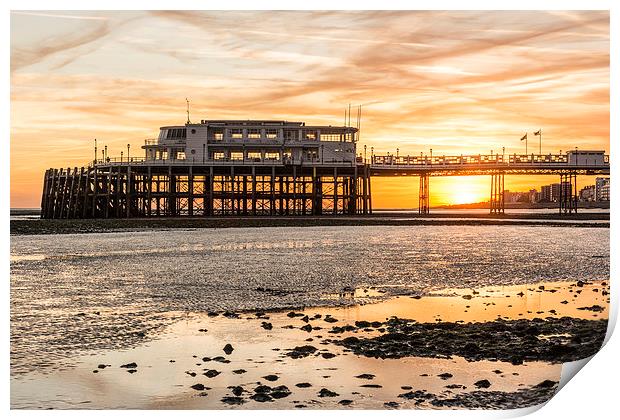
point(276, 168)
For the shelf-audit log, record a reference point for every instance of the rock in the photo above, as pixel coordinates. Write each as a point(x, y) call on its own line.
point(132, 370)
point(301, 351)
point(467, 297)
point(330, 319)
point(281, 391)
point(564, 302)
point(445, 376)
point(345, 402)
point(237, 390)
point(192, 374)
point(546, 384)
point(131, 365)
point(261, 398)
point(206, 359)
point(593, 308)
point(366, 376)
point(102, 366)
point(198, 387)
point(406, 387)
point(270, 378)
point(233, 400)
point(303, 385)
point(306, 318)
point(324, 392)
point(95, 371)
point(580, 283)
point(416, 395)
point(211, 373)
point(371, 386)
point(263, 389)
point(228, 348)
point(212, 314)
point(239, 371)
point(267, 325)
point(391, 404)
point(484, 383)
point(294, 314)
point(328, 355)
point(362, 324)
point(307, 328)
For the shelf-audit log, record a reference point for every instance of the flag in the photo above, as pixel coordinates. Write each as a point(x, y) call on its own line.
point(524, 137)
point(537, 133)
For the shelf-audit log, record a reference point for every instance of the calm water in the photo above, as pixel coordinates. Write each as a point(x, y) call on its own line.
point(72, 294)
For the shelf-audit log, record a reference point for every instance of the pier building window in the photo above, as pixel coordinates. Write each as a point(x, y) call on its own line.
point(254, 156)
point(309, 135)
point(313, 154)
point(218, 156)
point(272, 156)
point(236, 133)
point(254, 133)
point(181, 155)
point(271, 133)
point(330, 137)
point(218, 134)
point(290, 135)
point(236, 155)
point(176, 133)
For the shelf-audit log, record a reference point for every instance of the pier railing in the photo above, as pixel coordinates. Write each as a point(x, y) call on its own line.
point(495, 159)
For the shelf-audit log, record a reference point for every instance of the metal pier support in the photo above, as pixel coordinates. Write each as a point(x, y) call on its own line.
point(424, 196)
point(496, 203)
point(568, 193)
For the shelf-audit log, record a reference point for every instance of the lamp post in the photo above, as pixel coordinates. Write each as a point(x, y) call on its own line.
point(128, 147)
point(397, 150)
point(95, 152)
point(364, 153)
point(372, 154)
point(121, 156)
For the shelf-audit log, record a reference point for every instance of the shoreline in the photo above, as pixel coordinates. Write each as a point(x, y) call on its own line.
point(70, 226)
point(347, 356)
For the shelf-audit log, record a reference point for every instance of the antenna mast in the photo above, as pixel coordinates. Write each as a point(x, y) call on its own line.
point(188, 121)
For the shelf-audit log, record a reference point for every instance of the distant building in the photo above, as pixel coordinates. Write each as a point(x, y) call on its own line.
point(533, 196)
point(602, 189)
point(588, 193)
point(545, 194)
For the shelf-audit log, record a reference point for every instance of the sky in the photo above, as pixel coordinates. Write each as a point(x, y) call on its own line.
point(459, 82)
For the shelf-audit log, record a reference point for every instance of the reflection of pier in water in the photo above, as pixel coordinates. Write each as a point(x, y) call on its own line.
point(275, 168)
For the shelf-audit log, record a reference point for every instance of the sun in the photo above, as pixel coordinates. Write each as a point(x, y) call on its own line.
point(464, 197)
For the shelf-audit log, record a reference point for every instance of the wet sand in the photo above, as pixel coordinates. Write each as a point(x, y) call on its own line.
point(296, 359)
point(60, 226)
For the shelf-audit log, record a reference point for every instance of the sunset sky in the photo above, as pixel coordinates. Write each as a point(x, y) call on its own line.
point(457, 82)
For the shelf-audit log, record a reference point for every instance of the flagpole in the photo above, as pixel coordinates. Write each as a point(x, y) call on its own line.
point(540, 141)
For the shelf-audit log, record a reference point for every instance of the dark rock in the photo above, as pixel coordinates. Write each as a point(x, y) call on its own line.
point(546, 384)
point(484, 383)
point(239, 371)
point(233, 400)
point(95, 371)
point(593, 308)
point(371, 386)
point(366, 376)
point(345, 402)
point(263, 389)
point(416, 395)
point(324, 392)
point(261, 398)
point(391, 404)
point(362, 324)
point(211, 373)
point(270, 378)
point(303, 385)
point(132, 370)
point(580, 283)
point(307, 328)
point(445, 376)
point(301, 351)
point(330, 319)
point(328, 355)
point(102, 366)
point(267, 325)
point(281, 391)
point(406, 387)
point(131, 365)
point(237, 390)
point(228, 349)
point(198, 387)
